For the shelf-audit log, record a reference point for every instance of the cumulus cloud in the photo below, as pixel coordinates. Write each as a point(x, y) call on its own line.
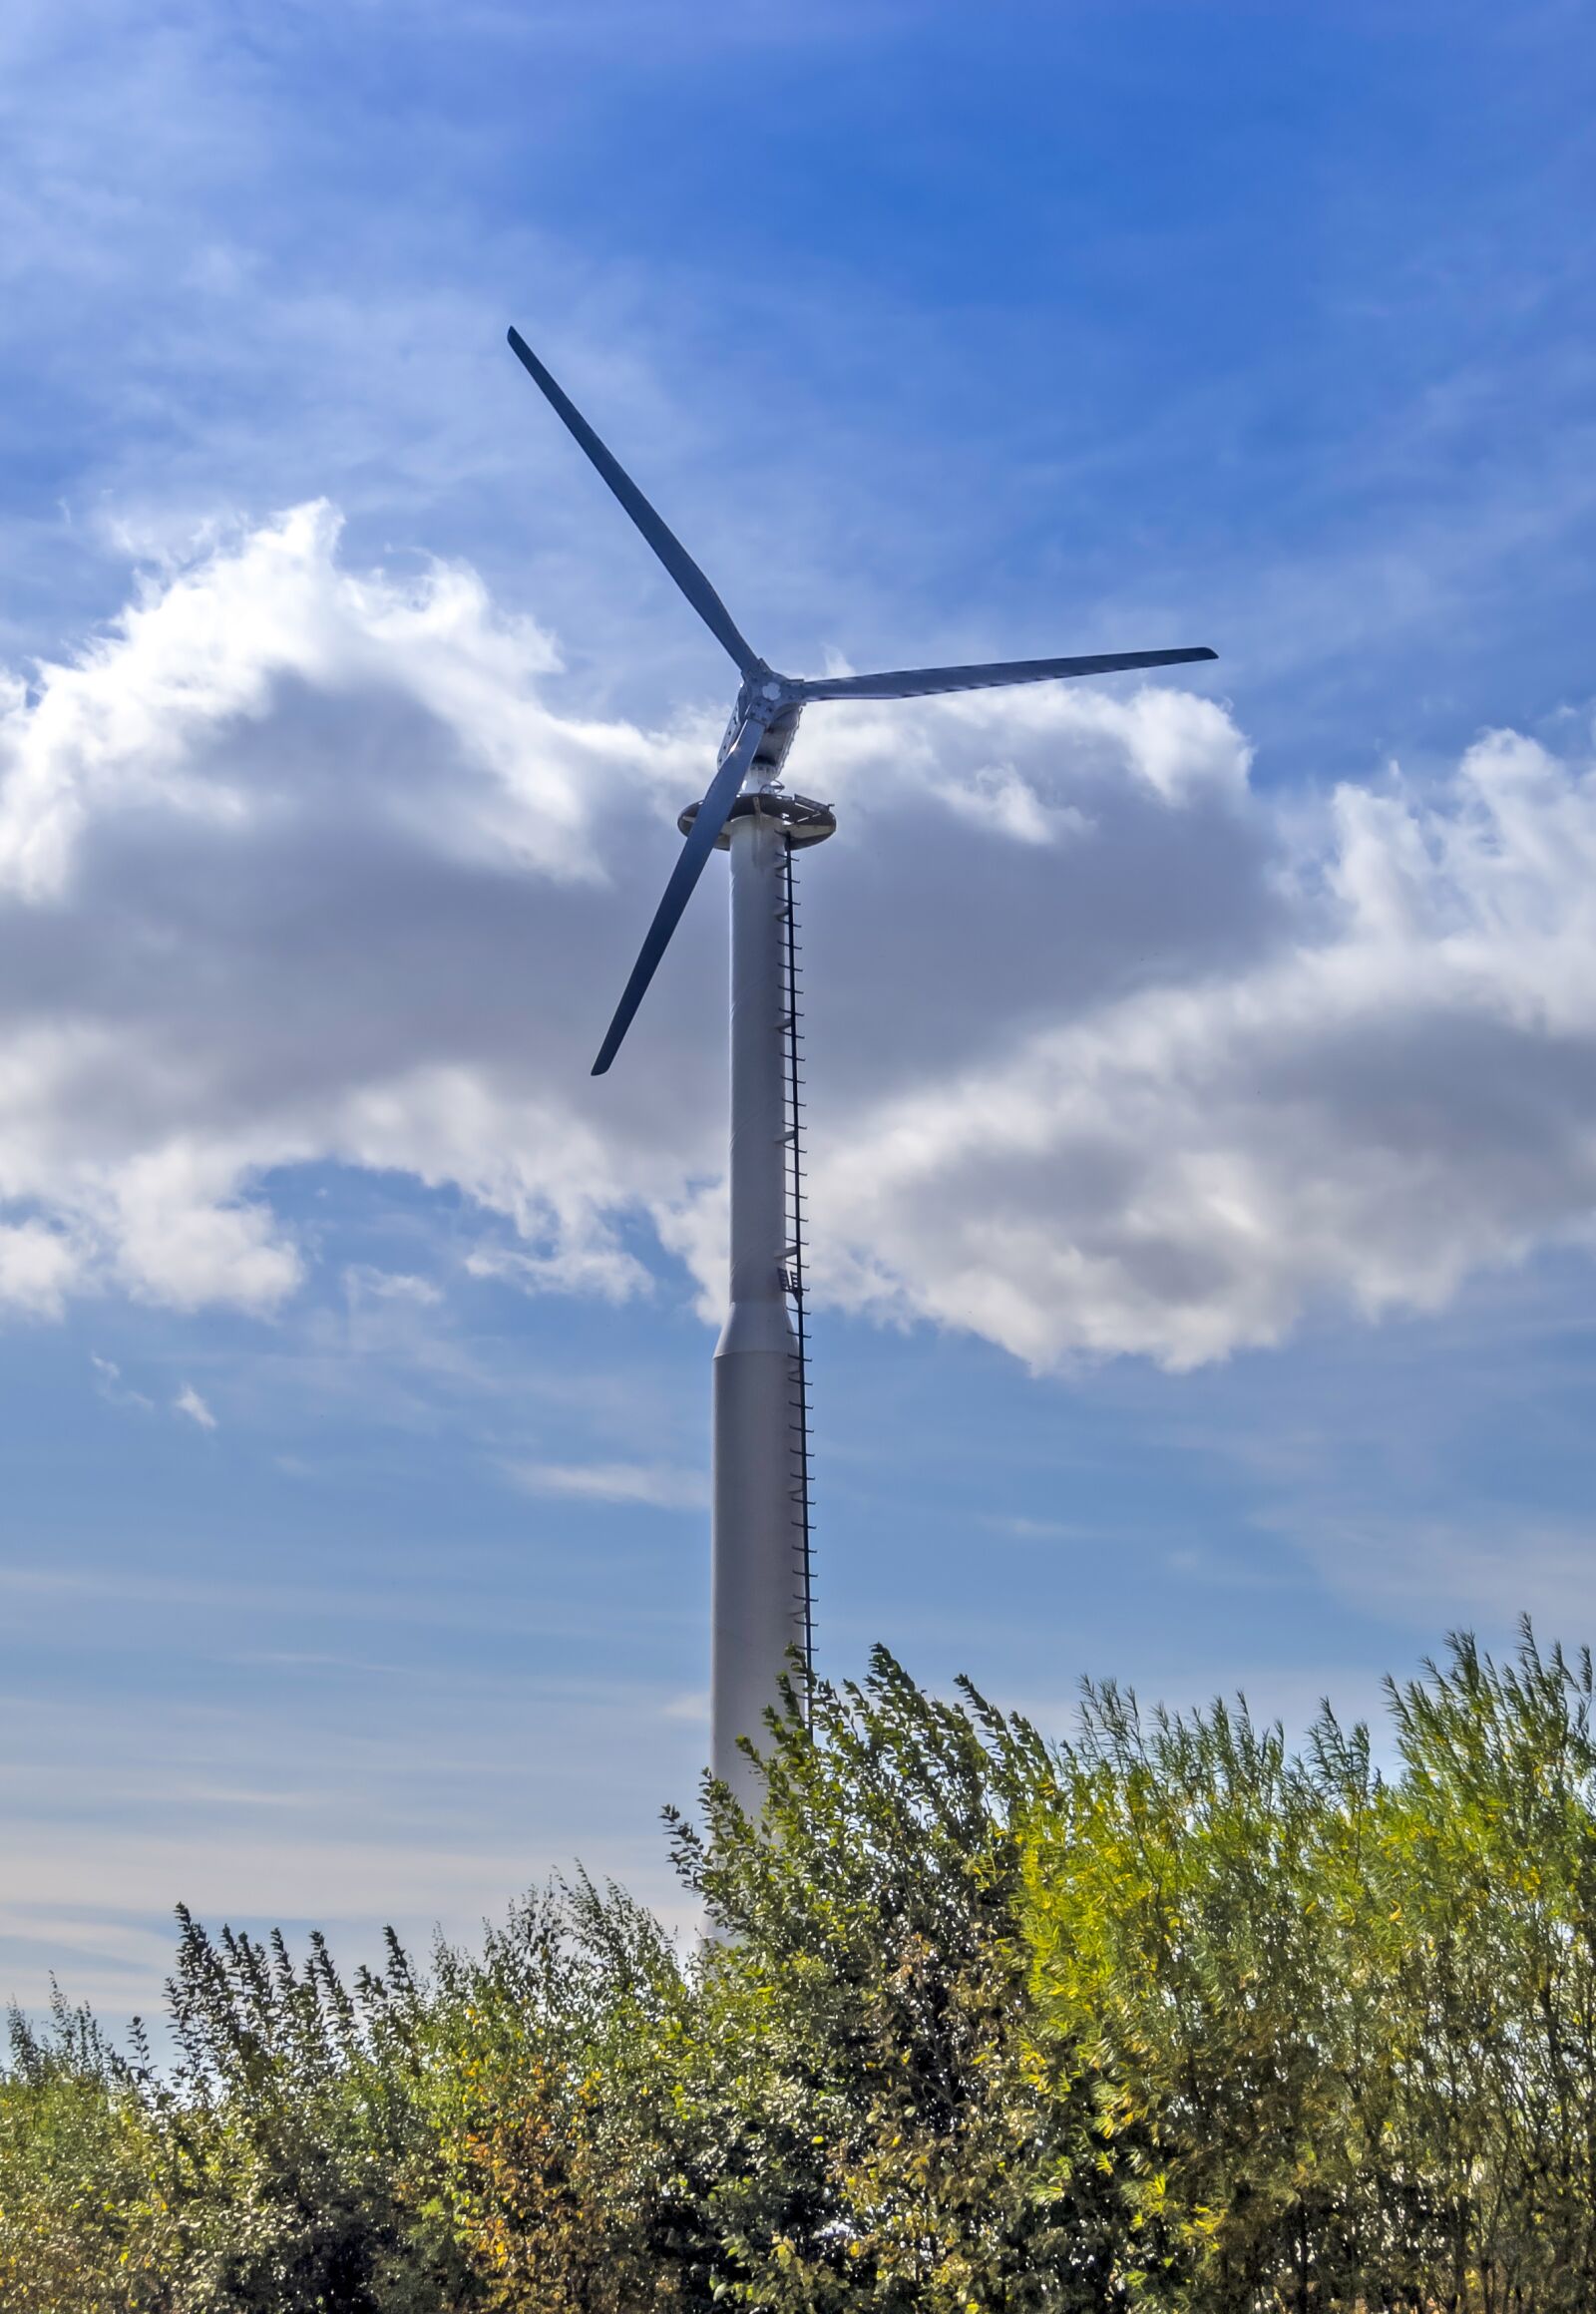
point(37, 1263)
point(1396, 1088)
point(304, 864)
point(287, 861)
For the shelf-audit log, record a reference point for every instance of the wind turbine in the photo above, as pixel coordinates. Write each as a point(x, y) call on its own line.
point(759, 1515)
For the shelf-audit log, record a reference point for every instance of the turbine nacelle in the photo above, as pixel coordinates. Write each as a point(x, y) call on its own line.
point(771, 703)
point(764, 721)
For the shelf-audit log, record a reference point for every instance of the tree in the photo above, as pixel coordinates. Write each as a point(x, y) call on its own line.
point(883, 2124)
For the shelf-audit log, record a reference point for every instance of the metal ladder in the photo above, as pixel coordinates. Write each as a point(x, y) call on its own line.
point(793, 1275)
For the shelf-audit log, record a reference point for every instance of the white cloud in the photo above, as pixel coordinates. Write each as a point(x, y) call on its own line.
point(361, 1283)
point(655, 1484)
point(189, 1402)
point(299, 864)
point(37, 1265)
point(593, 1264)
point(114, 1390)
point(272, 853)
point(692, 1706)
point(1399, 1091)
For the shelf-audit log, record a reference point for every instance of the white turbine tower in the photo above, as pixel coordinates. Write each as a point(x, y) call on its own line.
point(760, 1493)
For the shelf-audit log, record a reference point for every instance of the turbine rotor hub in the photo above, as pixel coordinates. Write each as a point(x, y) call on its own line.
point(765, 693)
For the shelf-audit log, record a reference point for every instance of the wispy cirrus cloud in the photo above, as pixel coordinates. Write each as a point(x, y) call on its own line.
point(654, 1485)
point(193, 1408)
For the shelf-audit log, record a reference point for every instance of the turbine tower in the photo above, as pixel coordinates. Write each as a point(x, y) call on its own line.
point(760, 1517)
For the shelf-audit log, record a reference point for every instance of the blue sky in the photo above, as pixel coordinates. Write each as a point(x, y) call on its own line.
point(1204, 1110)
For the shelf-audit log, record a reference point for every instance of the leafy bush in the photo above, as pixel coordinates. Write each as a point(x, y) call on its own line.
point(1169, 2016)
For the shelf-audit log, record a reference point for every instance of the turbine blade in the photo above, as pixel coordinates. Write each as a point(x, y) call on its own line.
point(663, 540)
point(713, 814)
point(918, 682)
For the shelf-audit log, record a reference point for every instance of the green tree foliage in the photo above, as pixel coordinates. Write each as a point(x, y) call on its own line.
point(887, 2128)
point(83, 2225)
point(838, 2099)
point(1170, 2015)
point(1347, 2017)
point(271, 2168)
point(554, 2091)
